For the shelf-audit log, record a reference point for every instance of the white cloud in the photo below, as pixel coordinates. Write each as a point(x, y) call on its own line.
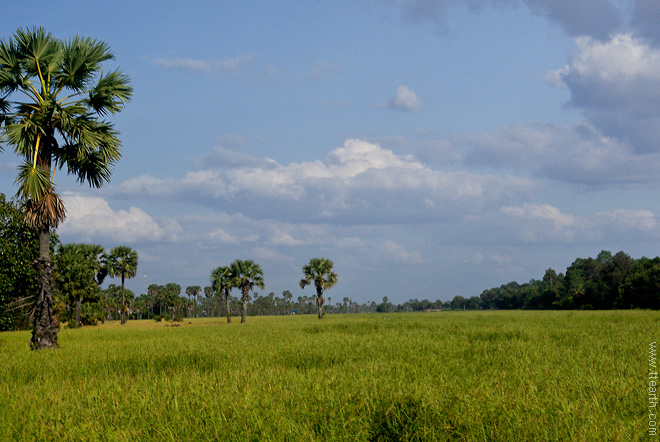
point(543, 223)
point(546, 223)
point(579, 154)
point(396, 252)
point(270, 254)
point(223, 237)
point(617, 85)
point(92, 217)
point(322, 69)
point(541, 212)
point(628, 220)
point(359, 180)
point(213, 67)
point(405, 99)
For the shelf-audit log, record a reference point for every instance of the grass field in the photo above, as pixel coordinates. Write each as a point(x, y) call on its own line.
point(456, 376)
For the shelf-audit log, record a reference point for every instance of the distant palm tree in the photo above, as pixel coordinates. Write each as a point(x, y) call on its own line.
point(319, 271)
point(123, 262)
point(245, 276)
point(63, 93)
point(193, 290)
point(222, 282)
point(208, 292)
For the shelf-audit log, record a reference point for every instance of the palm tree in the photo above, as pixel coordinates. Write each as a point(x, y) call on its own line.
point(193, 290)
point(222, 282)
point(245, 275)
point(62, 93)
point(80, 270)
point(319, 271)
point(208, 292)
point(123, 262)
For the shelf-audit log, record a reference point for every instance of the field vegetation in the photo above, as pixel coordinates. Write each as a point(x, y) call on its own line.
point(455, 376)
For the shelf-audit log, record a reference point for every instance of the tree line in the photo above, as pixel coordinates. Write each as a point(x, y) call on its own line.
point(602, 283)
point(79, 270)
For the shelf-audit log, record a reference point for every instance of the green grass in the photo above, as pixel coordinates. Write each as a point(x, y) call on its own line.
point(461, 376)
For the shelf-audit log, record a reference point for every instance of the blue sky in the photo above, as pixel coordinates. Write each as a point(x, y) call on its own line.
point(430, 148)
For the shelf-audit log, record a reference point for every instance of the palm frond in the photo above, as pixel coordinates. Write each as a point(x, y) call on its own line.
point(10, 67)
point(82, 58)
point(22, 136)
point(33, 182)
point(37, 49)
point(110, 93)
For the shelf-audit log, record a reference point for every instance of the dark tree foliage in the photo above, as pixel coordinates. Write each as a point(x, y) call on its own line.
point(19, 248)
point(602, 283)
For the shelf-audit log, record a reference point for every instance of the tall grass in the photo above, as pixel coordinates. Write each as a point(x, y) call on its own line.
point(473, 376)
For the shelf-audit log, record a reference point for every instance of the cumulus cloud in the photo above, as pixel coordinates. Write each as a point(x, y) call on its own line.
point(396, 252)
point(405, 99)
point(92, 217)
point(579, 154)
point(623, 220)
point(546, 223)
point(212, 67)
point(617, 85)
point(359, 180)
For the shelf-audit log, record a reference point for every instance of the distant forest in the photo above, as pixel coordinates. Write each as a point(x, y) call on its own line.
point(602, 283)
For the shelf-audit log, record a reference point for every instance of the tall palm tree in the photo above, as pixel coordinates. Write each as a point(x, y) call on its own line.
point(319, 271)
point(222, 283)
point(53, 95)
point(193, 290)
point(123, 261)
point(245, 275)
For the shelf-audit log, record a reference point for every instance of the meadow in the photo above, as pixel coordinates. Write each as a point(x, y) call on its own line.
point(454, 376)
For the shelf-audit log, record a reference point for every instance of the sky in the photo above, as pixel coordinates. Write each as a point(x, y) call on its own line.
point(430, 148)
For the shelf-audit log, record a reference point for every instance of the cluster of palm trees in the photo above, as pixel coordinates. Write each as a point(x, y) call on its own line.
point(82, 268)
point(245, 275)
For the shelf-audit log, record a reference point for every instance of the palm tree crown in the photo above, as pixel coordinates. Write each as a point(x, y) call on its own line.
point(122, 262)
point(65, 93)
point(319, 271)
point(246, 274)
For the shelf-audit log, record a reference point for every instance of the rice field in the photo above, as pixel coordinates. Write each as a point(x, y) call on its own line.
point(446, 376)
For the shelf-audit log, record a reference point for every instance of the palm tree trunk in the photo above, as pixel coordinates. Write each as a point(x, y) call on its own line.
point(78, 309)
point(123, 301)
point(319, 302)
point(228, 311)
point(244, 313)
point(44, 320)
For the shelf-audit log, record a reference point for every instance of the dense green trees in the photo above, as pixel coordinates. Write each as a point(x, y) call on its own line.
point(19, 248)
point(319, 271)
point(114, 299)
point(79, 270)
point(605, 282)
point(53, 94)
